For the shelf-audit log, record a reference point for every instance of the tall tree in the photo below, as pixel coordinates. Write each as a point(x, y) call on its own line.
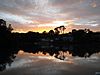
point(56, 30)
point(3, 27)
point(10, 28)
point(2, 22)
point(62, 29)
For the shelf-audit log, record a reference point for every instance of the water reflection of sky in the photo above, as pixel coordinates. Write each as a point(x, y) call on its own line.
point(39, 64)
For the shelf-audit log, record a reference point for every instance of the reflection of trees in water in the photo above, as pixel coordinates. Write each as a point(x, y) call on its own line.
point(6, 58)
point(62, 55)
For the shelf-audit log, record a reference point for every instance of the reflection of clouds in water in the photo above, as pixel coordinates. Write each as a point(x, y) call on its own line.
point(26, 58)
point(39, 64)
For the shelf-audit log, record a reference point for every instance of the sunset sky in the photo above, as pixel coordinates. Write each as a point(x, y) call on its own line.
point(40, 15)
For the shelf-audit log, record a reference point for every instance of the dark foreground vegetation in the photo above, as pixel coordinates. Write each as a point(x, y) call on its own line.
point(82, 43)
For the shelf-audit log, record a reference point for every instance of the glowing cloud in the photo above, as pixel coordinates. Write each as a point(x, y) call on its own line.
point(40, 13)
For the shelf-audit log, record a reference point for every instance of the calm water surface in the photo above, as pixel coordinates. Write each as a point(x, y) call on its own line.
point(40, 64)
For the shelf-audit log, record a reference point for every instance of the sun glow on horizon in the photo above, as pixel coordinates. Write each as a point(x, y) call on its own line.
point(43, 27)
point(53, 24)
point(69, 25)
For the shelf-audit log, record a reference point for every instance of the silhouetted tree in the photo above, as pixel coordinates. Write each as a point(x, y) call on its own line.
point(62, 28)
point(2, 22)
point(59, 29)
point(3, 27)
point(74, 30)
point(56, 30)
point(51, 32)
point(10, 28)
point(44, 32)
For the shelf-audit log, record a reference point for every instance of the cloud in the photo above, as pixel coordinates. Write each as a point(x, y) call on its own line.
point(33, 12)
point(29, 9)
point(16, 7)
point(64, 3)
